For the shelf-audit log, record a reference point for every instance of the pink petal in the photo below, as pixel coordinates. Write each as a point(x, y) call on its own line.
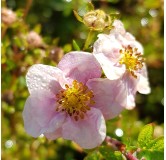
point(118, 27)
point(111, 70)
point(89, 132)
point(44, 77)
point(39, 114)
point(109, 46)
point(143, 84)
point(80, 66)
point(54, 135)
point(129, 36)
point(130, 84)
point(109, 96)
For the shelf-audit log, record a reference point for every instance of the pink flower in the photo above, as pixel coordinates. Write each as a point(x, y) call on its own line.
point(121, 57)
point(8, 16)
point(71, 100)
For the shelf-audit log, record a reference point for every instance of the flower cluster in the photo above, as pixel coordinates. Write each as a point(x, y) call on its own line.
point(73, 101)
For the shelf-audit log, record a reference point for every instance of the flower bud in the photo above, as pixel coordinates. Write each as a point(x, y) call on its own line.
point(34, 40)
point(96, 20)
point(8, 16)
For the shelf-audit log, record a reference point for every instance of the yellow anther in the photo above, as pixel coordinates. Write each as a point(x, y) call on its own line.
point(75, 100)
point(132, 59)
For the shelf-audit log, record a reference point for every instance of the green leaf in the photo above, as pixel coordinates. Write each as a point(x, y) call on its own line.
point(108, 153)
point(75, 46)
point(95, 155)
point(157, 144)
point(151, 155)
point(90, 6)
point(79, 18)
point(145, 136)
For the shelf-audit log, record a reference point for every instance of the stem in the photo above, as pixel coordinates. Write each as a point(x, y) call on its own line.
point(4, 31)
point(28, 5)
point(89, 39)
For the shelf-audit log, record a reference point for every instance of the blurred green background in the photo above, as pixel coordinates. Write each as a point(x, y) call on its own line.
point(54, 21)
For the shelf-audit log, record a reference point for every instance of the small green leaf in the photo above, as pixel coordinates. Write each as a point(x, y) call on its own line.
point(37, 28)
point(90, 6)
point(75, 46)
point(157, 144)
point(79, 18)
point(145, 136)
point(108, 153)
point(95, 155)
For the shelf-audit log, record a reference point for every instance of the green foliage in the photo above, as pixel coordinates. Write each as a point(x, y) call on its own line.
point(151, 149)
point(104, 153)
point(157, 144)
point(145, 139)
point(145, 135)
point(108, 153)
point(75, 46)
point(151, 155)
point(95, 155)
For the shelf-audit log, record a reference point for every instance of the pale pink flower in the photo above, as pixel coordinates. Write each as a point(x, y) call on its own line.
point(71, 100)
point(8, 16)
point(121, 57)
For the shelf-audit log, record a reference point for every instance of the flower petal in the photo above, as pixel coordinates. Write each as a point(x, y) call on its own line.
point(39, 114)
point(44, 77)
point(111, 71)
point(54, 135)
point(130, 84)
point(143, 84)
point(109, 96)
point(80, 66)
point(89, 132)
point(118, 27)
point(109, 46)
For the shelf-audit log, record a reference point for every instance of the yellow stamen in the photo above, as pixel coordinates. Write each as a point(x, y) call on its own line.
point(132, 59)
point(75, 100)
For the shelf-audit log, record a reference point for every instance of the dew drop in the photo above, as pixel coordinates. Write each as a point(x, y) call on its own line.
point(8, 143)
point(119, 132)
point(144, 21)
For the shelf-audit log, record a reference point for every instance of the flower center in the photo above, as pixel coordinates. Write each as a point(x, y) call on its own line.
point(132, 59)
point(75, 100)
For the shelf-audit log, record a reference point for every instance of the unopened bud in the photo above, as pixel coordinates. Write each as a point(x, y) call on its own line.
point(96, 20)
point(34, 40)
point(8, 16)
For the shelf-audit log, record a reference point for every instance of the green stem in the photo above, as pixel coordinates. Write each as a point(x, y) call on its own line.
point(89, 39)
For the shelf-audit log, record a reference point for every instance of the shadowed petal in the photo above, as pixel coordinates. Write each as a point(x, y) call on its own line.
point(109, 96)
point(89, 132)
point(143, 84)
point(39, 114)
point(130, 84)
point(111, 71)
point(80, 66)
point(54, 135)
